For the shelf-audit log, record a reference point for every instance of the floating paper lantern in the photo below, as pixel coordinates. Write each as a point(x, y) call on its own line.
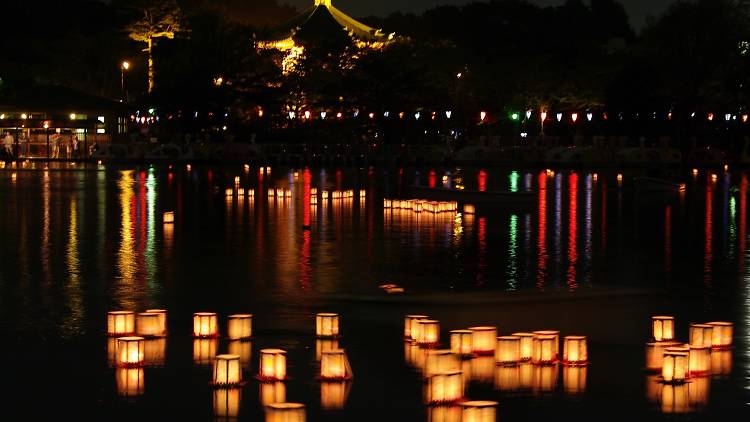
point(508, 351)
point(507, 378)
point(387, 203)
point(130, 351)
point(227, 403)
point(242, 348)
point(483, 340)
point(721, 362)
point(285, 412)
point(675, 399)
point(437, 361)
point(701, 335)
point(699, 361)
point(272, 392)
point(655, 355)
point(574, 379)
point(205, 324)
point(168, 217)
point(333, 394)
point(227, 370)
point(428, 333)
point(120, 323)
point(555, 342)
point(544, 378)
point(327, 325)
point(240, 326)
point(444, 414)
point(129, 381)
point(469, 209)
point(478, 411)
point(154, 351)
point(228, 192)
point(663, 328)
point(325, 345)
point(204, 350)
point(272, 365)
point(461, 342)
point(112, 351)
point(241, 193)
point(162, 330)
point(526, 345)
point(675, 365)
point(544, 349)
point(148, 324)
point(575, 350)
point(411, 326)
point(482, 369)
point(445, 387)
point(334, 366)
point(722, 334)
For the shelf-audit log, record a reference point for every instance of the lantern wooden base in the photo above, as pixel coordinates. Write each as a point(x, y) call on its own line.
point(265, 379)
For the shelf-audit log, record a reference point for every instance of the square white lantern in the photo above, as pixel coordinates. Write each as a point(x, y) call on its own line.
point(272, 392)
point(444, 387)
point(272, 365)
point(699, 361)
point(478, 411)
point(205, 324)
point(168, 217)
point(461, 342)
point(327, 325)
point(555, 341)
point(227, 403)
point(437, 361)
point(130, 351)
point(701, 335)
point(148, 324)
point(544, 349)
point(334, 366)
point(130, 381)
point(428, 333)
point(411, 327)
point(204, 350)
point(722, 334)
point(526, 345)
point(120, 323)
point(285, 412)
point(508, 351)
point(483, 340)
point(227, 370)
point(162, 320)
point(240, 326)
point(662, 328)
point(575, 350)
point(675, 366)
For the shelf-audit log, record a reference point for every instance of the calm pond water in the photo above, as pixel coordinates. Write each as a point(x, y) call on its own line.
point(589, 255)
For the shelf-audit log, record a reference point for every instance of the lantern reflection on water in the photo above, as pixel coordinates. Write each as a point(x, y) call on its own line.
point(575, 350)
point(444, 414)
point(285, 412)
point(227, 403)
point(154, 351)
point(120, 323)
point(411, 326)
point(240, 326)
point(334, 366)
point(508, 350)
point(526, 375)
point(130, 351)
point(428, 333)
point(162, 320)
point(655, 355)
point(507, 378)
point(699, 361)
point(461, 342)
point(437, 361)
point(333, 394)
point(722, 334)
point(205, 325)
point(698, 392)
point(483, 340)
point(242, 348)
point(701, 335)
point(227, 370)
point(168, 217)
point(272, 365)
point(544, 349)
point(414, 355)
point(327, 325)
point(662, 328)
point(129, 381)
point(674, 398)
point(444, 387)
point(272, 392)
point(674, 367)
point(324, 345)
point(653, 388)
point(526, 345)
point(204, 350)
point(721, 362)
point(574, 379)
point(544, 378)
point(482, 369)
point(478, 411)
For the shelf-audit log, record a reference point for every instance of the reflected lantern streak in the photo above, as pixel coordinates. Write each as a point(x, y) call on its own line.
point(542, 231)
point(573, 232)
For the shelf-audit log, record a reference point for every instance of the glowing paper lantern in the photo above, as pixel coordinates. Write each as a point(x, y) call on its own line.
point(544, 349)
point(272, 365)
point(154, 351)
point(663, 328)
point(575, 350)
point(483, 340)
point(674, 368)
point(699, 361)
point(227, 370)
point(508, 351)
point(444, 414)
point(722, 334)
point(445, 387)
point(162, 320)
point(120, 323)
point(285, 412)
point(129, 381)
point(478, 411)
point(240, 326)
point(130, 351)
point(333, 394)
point(227, 403)
point(168, 217)
point(482, 116)
point(205, 325)
point(414, 355)
point(204, 350)
point(428, 332)
point(526, 348)
point(469, 209)
point(461, 342)
point(334, 365)
point(556, 342)
point(438, 361)
point(272, 392)
point(701, 335)
point(325, 345)
point(228, 192)
point(574, 379)
point(149, 324)
point(327, 325)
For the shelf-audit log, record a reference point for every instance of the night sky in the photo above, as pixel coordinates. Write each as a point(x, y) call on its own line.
point(639, 10)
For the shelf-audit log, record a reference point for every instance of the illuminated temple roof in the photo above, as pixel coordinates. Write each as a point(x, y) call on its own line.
point(323, 20)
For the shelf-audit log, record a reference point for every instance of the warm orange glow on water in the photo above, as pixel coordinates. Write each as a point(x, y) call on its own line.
point(542, 231)
point(573, 232)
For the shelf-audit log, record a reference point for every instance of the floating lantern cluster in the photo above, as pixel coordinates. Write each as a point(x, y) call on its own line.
point(239, 192)
point(684, 368)
point(419, 205)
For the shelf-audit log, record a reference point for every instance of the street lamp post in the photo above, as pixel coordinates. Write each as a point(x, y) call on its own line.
point(124, 67)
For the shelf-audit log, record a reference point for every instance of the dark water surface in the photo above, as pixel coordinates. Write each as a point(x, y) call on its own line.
point(589, 255)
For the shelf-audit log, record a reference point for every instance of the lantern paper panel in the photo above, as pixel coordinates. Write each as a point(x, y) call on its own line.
point(204, 351)
point(483, 340)
point(130, 381)
point(699, 361)
point(701, 335)
point(227, 403)
point(674, 367)
point(445, 387)
point(162, 330)
point(272, 365)
point(205, 324)
point(327, 325)
point(428, 332)
point(461, 342)
point(285, 412)
point(444, 414)
point(227, 370)
point(130, 351)
point(508, 351)
point(478, 411)
point(555, 341)
point(325, 345)
point(544, 349)
point(437, 361)
point(526, 346)
point(662, 328)
point(272, 392)
point(148, 324)
point(120, 323)
point(723, 333)
point(240, 326)
point(575, 350)
point(333, 365)
point(155, 351)
point(333, 394)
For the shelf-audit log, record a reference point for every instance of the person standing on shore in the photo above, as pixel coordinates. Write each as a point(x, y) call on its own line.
point(8, 144)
